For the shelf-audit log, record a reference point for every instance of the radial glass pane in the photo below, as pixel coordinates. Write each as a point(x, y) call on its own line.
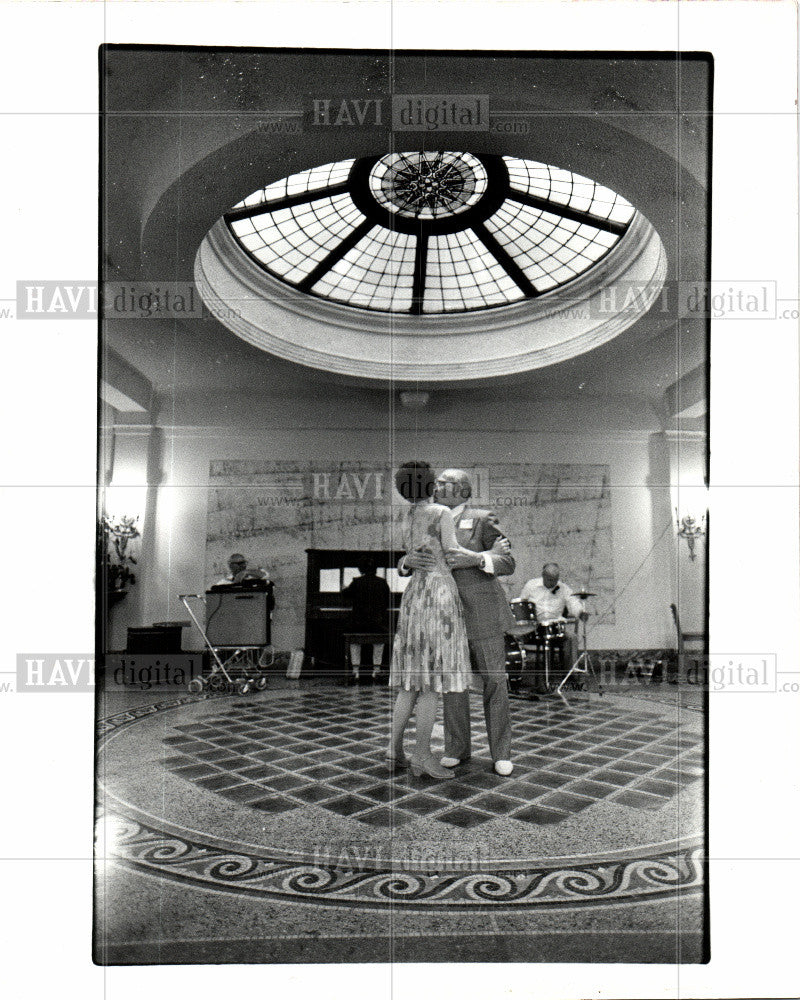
point(550, 250)
point(315, 179)
point(462, 274)
point(377, 273)
point(292, 241)
point(565, 188)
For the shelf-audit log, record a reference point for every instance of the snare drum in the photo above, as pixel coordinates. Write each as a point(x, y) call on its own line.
point(549, 632)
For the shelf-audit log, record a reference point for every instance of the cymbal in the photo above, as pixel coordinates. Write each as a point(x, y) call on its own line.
point(583, 593)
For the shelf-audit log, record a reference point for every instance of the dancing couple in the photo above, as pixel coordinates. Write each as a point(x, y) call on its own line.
point(453, 618)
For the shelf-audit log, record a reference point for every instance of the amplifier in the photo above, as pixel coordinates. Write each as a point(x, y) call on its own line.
point(238, 618)
point(162, 639)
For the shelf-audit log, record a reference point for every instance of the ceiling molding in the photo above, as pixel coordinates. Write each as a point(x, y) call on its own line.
point(306, 330)
point(220, 432)
point(122, 385)
point(685, 436)
point(687, 394)
point(119, 400)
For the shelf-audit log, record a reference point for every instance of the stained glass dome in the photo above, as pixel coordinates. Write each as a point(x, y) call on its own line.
point(426, 233)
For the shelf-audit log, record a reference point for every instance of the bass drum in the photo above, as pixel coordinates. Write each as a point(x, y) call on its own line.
point(516, 657)
point(545, 656)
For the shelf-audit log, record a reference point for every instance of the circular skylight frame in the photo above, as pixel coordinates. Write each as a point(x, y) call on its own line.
point(495, 193)
point(469, 243)
point(463, 348)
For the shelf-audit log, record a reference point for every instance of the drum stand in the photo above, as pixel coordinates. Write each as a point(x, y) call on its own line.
point(546, 656)
point(583, 665)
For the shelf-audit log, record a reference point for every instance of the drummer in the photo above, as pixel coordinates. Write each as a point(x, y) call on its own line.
point(555, 599)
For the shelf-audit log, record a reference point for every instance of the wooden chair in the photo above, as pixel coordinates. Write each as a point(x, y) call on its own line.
point(694, 656)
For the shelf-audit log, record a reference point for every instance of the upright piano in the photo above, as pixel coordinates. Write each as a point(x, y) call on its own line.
point(329, 571)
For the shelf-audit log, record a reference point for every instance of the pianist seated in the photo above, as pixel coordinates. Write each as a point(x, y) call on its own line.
point(239, 571)
point(370, 598)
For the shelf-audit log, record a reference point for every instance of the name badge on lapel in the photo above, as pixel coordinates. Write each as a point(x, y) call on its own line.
point(466, 523)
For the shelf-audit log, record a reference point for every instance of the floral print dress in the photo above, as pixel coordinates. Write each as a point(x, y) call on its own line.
point(430, 651)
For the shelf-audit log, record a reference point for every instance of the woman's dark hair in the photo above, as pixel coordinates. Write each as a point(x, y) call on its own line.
point(367, 566)
point(415, 481)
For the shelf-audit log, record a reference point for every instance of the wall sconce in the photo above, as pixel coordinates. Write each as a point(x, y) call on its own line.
point(689, 529)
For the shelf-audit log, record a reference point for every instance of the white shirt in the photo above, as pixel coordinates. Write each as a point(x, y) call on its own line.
point(488, 561)
point(551, 603)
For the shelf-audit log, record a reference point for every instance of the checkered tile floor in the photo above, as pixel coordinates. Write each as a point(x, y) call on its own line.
point(325, 748)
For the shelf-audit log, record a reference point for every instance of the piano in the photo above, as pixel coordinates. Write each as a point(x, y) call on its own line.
point(329, 571)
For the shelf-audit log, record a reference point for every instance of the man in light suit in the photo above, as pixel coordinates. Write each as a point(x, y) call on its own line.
point(486, 615)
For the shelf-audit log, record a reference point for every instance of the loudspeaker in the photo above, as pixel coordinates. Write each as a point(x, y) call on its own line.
point(238, 618)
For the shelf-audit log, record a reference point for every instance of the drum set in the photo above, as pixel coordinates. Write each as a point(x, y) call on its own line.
point(543, 642)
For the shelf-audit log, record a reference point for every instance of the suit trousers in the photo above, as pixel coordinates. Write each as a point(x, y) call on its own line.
point(489, 660)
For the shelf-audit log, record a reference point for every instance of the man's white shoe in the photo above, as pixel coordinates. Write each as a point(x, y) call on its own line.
point(449, 761)
point(502, 767)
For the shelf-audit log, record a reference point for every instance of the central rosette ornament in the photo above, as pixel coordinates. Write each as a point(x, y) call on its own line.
point(427, 185)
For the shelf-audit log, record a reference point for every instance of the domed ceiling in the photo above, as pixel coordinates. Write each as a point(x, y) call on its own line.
point(430, 266)
point(427, 233)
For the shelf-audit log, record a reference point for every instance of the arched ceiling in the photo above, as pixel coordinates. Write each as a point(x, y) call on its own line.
point(189, 135)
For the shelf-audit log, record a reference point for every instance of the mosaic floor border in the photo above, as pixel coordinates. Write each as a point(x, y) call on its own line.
point(142, 848)
point(663, 870)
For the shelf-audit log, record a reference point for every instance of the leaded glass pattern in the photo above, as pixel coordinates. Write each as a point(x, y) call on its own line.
point(550, 250)
point(565, 188)
point(462, 275)
point(316, 179)
point(430, 232)
point(292, 241)
point(427, 185)
point(377, 273)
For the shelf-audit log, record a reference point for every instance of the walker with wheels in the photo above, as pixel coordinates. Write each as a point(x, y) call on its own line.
point(235, 669)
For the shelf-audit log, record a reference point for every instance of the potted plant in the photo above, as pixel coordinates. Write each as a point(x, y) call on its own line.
point(116, 536)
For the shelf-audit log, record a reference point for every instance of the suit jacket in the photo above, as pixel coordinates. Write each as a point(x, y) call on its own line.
point(486, 610)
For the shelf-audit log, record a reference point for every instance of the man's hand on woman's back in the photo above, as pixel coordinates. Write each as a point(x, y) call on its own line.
point(419, 559)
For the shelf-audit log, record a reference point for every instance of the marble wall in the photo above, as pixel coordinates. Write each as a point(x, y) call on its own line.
point(273, 510)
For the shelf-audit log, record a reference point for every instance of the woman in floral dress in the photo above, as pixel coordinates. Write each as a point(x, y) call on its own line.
point(430, 653)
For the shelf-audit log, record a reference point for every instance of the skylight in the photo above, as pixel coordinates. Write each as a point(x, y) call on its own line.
point(430, 232)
